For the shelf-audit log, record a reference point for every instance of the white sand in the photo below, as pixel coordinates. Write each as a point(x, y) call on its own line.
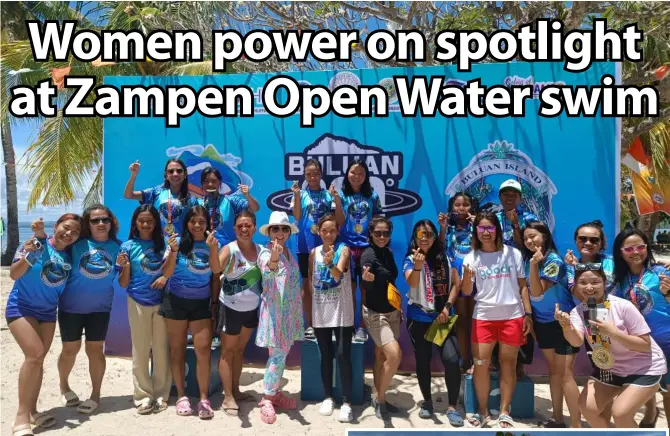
point(116, 415)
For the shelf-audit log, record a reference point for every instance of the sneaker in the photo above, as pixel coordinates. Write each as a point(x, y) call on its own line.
point(309, 333)
point(327, 407)
point(346, 414)
point(361, 335)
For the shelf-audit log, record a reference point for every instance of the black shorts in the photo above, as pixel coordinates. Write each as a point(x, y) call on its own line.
point(355, 261)
point(303, 263)
point(230, 321)
point(73, 325)
point(185, 309)
point(550, 336)
point(617, 381)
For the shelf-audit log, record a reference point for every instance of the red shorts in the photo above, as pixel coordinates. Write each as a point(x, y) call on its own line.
point(508, 332)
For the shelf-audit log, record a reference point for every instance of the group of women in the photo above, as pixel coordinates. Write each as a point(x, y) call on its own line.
point(483, 288)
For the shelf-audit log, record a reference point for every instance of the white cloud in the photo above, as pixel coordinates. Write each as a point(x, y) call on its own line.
point(176, 151)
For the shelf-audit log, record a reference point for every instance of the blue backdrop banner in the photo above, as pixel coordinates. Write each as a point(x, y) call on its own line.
point(568, 166)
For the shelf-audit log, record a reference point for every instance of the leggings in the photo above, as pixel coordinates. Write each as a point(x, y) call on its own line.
point(342, 354)
point(423, 352)
point(274, 370)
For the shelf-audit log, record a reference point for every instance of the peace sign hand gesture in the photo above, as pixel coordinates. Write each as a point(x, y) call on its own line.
point(367, 275)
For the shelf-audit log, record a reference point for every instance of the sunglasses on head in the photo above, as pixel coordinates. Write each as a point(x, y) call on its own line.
point(421, 234)
point(285, 229)
point(381, 233)
point(634, 249)
point(490, 229)
point(592, 239)
point(103, 220)
point(588, 267)
point(175, 170)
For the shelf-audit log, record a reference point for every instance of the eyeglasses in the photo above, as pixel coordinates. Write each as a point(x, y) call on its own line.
point(592, 239)
point(381, 234)
point(490, 229)
point(243, 226)
point(175, 170)
point(104, 220)
point(285, 229)
point(421, 234)
point(634, 249)
point(588, 267)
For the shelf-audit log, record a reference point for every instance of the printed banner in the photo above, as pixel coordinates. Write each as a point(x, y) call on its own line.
point(567, 166)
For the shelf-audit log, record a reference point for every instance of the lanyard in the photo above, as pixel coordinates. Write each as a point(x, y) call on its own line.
point(169, 208)
point(631, 288)
point(430, 298)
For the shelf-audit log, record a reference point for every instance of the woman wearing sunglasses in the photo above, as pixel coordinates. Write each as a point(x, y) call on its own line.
point(547, 281)
point(434, 286)
point(40, 270)
point(591, 246)
point(171, 199)
point(381, 317)
point(502, 313)
point(86, 302)
point(281, 320)
point(630, 364)
point(638, 283)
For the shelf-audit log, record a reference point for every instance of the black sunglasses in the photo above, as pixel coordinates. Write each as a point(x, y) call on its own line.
point(588, 267)
point(592, 239)
point(175, 170)
point(105, 220)
point(285, 229)
point(381, 233)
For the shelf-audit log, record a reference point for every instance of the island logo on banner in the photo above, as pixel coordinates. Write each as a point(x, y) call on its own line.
point(497, 163)
point(335, 153)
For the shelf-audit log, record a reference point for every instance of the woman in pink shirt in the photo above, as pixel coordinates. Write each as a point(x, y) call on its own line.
point(630, 362)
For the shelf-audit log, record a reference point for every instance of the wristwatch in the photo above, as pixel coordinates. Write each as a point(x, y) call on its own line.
point(448, 306)
point(529, 315)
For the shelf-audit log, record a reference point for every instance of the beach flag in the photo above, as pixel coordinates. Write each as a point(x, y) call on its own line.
point(651, 196)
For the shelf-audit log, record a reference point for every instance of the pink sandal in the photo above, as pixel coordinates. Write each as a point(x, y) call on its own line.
point(183, 407)
point(268, 414)
point(284, 402)
point(205, 410)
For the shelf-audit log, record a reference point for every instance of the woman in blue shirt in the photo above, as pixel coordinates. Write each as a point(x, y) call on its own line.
point(171, 199)
point(186, 305)
point(144, 284)
point(40, 270)
point(546, 278)
point(637, 282)
point(87, 301)
point(591, 246)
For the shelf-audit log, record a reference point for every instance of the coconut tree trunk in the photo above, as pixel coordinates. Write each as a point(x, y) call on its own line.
point(12, 226)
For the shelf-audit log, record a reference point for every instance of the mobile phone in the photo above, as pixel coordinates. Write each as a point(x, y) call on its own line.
point(37, 244)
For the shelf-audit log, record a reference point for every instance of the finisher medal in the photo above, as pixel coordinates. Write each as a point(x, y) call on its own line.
point(169, 228)
point(358, 228)
point(603, 358)
point(314, 229)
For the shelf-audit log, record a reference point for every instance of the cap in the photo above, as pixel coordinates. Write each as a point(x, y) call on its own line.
point(511, 184)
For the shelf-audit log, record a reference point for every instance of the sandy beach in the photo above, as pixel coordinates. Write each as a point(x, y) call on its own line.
point(117, 416)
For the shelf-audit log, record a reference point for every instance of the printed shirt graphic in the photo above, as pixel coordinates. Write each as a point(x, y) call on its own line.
point(145, 267)
point(192, 275)
point(358, 211)
point(627, 319)
point(332, 305)
point(222, 212)
point(608, 269)
point(36, 292)
point(242, 285)
point(459, 244)
point(651, 303)
point(440, 291)
point(314, 205)
point(160, 198)
point(498, 294)
point(90, 287)
point(552, 269)
point(508, 231)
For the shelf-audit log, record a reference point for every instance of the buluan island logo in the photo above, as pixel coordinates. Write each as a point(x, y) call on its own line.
point(499, 162)
point(335, 153)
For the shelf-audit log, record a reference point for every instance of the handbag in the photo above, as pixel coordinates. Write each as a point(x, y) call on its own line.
point(393, 295)
point(438, 331)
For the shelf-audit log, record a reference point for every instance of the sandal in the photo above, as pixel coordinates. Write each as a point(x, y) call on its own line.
point(69, 399)
point(88, 407)
point(455, 418)
point(283, 402)
point(309, 333)
point(161, 406)
point(650, 424)
point(22, 430)
point(183, 407)
point(268, 414)
point(144, 409)
point(505, 419)
point(550, 424)
point(205, 410)
point(42, 420)
point(426, 410)
point(476, 421)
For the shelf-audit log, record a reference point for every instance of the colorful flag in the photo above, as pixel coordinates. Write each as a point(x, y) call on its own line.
point(651, 196)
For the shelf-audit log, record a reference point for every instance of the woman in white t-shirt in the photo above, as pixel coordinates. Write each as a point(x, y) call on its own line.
point(502, 313)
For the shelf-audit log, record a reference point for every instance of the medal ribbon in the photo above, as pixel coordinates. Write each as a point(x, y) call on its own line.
point(631, 289)
point(430, 297)
point(169, 208)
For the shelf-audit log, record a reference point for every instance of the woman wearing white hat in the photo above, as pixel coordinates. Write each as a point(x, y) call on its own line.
point(280, 318)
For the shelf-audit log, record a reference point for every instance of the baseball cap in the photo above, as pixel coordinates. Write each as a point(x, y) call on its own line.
point(511, 184)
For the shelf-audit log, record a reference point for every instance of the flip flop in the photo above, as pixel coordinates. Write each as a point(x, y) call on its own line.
point(69, 399)
point(160, 407)
point(145, 409)
point(88, 407)
point(22, 430)
point(505, 419)
point(42, 420)
point(231, 411)
point(650, 424)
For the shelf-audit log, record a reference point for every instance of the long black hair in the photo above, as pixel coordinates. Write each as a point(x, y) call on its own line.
point(156, 235)
point(186, 243)
point(549, 244)
point(621, 268)
point(377, 219)
point(476, 244)
point(436, 253)
point(598, 225)
point(473, 204)
point(210, 170)
point(366, 187)
point(183, 190)
point(86, 222)
point(314, 162)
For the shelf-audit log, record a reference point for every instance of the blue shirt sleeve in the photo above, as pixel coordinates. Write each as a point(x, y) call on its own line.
point(551, 268)
point(149, 195)
point(408, 263)
point(239, 203)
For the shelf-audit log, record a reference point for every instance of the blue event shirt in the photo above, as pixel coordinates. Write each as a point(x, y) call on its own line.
point(552, 269)
point(508, 231)
point(222, 211)
point(90, 287)
point(164, 201)
point(37, 291)
point(459, 244)
point(314, 205)
point(651, 303)
point(145, 267)
point(192, 275)
point(358, 211)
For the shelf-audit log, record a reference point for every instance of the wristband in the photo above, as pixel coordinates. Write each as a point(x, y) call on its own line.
point(529, 315)
point(417, 270)
point(331, 265)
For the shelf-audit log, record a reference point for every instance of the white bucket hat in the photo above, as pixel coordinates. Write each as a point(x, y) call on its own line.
point(278, 219)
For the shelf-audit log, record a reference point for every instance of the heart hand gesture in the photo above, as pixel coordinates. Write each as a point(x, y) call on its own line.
point(295, 188)
point(419, 258)
point(367, 275)
point(329, 256)
point(211, 240)
point(134, 168)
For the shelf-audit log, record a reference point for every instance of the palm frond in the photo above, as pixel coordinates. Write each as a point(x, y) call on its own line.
point(94, 194)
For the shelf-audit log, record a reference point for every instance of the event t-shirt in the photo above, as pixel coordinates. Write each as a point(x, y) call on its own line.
point(438, 279)
point(168, 204)
point(222, 212)
point(332, 305)
point(314, 205)
point(358, 211)
point(192, 276)
point(544, 306)
point(90, 287)
point(630, 321)
point(146, 266)
point(459, 244)
point(498, 295)
point(524, 217)
point(37, 291)
point(651, 303)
